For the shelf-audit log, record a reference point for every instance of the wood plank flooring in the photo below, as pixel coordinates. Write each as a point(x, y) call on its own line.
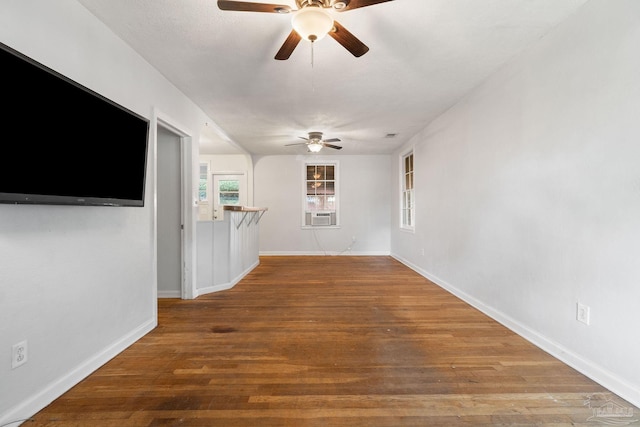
point(331, 341)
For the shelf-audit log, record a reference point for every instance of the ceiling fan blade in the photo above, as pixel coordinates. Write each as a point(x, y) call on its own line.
point(297, 143)
point(288, 46)
point(331, 140)
point(355, 4)
point(333, 146)
point(241, 6)
point(348, 40)
point(302, 137)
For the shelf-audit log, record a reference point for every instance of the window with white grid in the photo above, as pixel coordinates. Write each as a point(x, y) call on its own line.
point(320, 194)
point(407, 214)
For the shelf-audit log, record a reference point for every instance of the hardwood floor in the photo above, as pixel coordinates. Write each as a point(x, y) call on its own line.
point(331, 341)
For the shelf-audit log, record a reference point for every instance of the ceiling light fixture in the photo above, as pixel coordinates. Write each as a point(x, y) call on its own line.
point(312, 23)
point(314, 147)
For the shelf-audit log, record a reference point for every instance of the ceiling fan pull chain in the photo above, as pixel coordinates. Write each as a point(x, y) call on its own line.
point(313, 86)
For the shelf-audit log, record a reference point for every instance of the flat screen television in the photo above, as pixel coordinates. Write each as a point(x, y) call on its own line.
point(63, 144)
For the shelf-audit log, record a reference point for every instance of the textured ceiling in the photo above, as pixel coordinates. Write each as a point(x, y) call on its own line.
point(425, 55)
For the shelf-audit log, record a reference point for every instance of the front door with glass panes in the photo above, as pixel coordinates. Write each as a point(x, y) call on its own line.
point(228, 190)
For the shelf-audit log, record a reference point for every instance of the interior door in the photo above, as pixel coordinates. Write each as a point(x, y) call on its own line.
point(169, 215)
point(228, 189)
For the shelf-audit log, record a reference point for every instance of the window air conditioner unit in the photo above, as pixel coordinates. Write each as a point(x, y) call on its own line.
point(320, 218)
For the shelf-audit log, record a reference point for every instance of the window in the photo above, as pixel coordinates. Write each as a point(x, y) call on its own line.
point(202, 185)
point(228, 192)
point(408, 206)
point(321, 196)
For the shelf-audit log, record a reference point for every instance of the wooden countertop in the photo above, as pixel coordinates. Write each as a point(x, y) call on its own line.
point(244, 209)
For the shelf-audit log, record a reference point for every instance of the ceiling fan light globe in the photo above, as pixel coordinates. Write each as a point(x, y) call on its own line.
point(314, 147)
point(312, 23)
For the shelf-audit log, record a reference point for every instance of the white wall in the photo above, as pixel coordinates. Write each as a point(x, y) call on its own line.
point(219, 163)
point(365, 187)
point(78, 282)
point(528, 195)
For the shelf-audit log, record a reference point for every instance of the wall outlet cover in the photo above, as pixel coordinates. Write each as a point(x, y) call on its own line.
point(583, 313)
point(18, 354)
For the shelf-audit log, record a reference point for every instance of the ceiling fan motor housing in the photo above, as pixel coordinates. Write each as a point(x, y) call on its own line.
point(315, 136)
point(318, 3)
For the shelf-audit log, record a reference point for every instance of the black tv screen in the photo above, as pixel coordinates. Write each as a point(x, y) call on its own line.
point(62, 143)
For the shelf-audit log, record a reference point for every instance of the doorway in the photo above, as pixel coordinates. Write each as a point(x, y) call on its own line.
point(169, 214)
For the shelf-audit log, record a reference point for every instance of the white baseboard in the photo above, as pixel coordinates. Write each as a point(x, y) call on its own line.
point(57, 388)
point(169, 294)
point(607, 379)
point(320, 253)
point(213, 289)
point(228, 285)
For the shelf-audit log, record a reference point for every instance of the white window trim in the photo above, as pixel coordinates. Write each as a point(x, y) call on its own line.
point(403, 155)
point(303, 180)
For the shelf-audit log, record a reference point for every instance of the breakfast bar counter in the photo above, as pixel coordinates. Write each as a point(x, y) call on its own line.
point(227, 249)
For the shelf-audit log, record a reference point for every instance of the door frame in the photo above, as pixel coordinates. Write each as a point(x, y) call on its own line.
point(187, 211)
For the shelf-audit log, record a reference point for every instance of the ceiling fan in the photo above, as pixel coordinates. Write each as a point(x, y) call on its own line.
point(315, 142)
point(310, 21)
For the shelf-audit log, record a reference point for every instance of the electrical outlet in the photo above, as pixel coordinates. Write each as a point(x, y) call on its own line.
point(18, 354)
point(583, 313)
